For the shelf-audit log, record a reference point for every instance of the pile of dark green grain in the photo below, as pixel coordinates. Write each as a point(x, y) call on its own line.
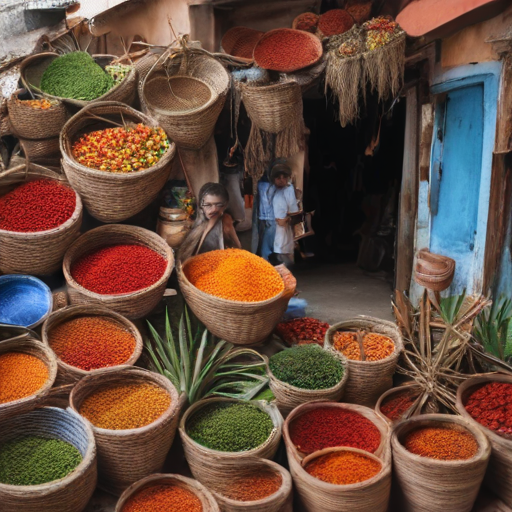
point(76, 76)
point(36, 460)
point(307, 367)
point(230, 427)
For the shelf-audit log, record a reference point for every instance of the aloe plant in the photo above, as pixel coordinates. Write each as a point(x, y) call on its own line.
point(200, 366)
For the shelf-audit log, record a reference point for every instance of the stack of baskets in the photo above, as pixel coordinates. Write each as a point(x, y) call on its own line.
point(434, 271)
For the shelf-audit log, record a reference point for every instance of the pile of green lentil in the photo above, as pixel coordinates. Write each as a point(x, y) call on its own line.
point(230, 427)
point(36, 460)
point(307, 367)
point(76, 76)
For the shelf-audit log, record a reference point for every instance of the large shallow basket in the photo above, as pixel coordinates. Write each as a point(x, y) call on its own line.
point(240, 323)
point(112, 197)
point(240, 42)
point(132, 305)
point(69, 494)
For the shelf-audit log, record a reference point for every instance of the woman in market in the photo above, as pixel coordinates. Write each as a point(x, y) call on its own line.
point(213, 228)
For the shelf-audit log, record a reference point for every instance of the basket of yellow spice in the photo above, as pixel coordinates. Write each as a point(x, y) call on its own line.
point(237, 295)
point(439, 462)
point(372, 347)
point(134, 415)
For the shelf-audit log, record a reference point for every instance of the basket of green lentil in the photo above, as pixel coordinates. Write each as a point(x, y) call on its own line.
point(439, 462)
point(86, 338)
point(40, 217)
point(134, 415)
point(132, 165)
point(123, 268)
point(306, 373)
point(219, 432)
point(164, 492)
point(47, 462)
point(370, 372)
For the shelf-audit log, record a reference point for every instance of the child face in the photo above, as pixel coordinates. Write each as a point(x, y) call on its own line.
point(213, 206)
point(281, 180)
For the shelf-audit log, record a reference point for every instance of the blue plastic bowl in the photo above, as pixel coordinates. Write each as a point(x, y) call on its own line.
point(24, 300)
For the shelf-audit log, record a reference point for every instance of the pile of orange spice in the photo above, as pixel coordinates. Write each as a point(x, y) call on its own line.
point(343, 467)
point(163, 498)
point(125, 406)
point(253, 487)
point(442, 443)
point(21, 375)
point(234, 274)
point(375, 346)
point(39, 104)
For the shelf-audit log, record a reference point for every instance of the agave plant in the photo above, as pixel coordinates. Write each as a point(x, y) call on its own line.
point(202, 366)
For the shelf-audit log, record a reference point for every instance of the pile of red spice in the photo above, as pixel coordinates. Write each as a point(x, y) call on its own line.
point(326, 427)
point(37, 206)
point(306, 21)
point(491, 406)
point(163, 498)
point(335, 21)
point(253, 487)
point(399, 403)
point(360, 11)
point(302, 331)
point(118, 269)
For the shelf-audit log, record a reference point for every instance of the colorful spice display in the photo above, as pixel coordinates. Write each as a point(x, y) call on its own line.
point(76, 76)
point(91, 342)
point(21, 375)
point(307, 367)
point(253, 487)
point(36, 460)
point(121, 149)
point(380, 31)
point(118, 72)
point(375, 346)
point(335, 21)
point(38, 104)
point(234, 274)
point(327, 427)
point(307, 21)
point(349, 48)
point(302, 330)
point(163, 498)
point(230, 427)
point(118, 269)
point(491, 406)
point(398, 404)
point(441, 443)
point(286, 50)
point(343, 468)
point(36, 206)
point(125, 406)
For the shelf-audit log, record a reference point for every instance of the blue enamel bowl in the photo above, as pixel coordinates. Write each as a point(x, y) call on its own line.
point(24, 300)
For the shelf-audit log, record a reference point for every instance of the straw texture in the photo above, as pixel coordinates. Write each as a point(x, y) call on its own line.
point(434, 271)
point(206, 463)
point(5, 125)
point(108, 196)
point(68, 373)
point(431, 485)
point(126, 456)
point(367, 380)
point(499, 473)
point(41, 150)
point(69, 494)
point(240, 323)
point(132, 305)
point(207, 500)
point(240, 42)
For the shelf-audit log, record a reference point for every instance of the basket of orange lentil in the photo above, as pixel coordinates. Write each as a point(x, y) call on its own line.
point(370, 372)
point(237, 295)
point(134, 415)
point(439, 463)
point(117, 158)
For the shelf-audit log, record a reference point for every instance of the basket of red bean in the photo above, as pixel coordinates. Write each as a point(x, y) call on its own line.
point(123, 268)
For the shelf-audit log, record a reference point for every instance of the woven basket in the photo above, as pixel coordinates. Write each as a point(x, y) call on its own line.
point(112, 197)
point(69, 494)
point(240, 42)
point(298, 19)
point(33, 68)
point(499, 473)
point(132, 305)
point(207, 500)
point(240, 323)
point(288, 397)
point(34, 348)
point(389, 394)
point(173, 232)
point(38, 253)
point(42, 150)
point(434, 271)
point(431, 485)
point(5, 125)
point(68, 373)
point(369, 379)
point(205, 462)
point(126, 456)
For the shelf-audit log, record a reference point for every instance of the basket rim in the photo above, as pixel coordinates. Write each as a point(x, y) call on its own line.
point(408, 386)
point(19, 103)
point(124, 230)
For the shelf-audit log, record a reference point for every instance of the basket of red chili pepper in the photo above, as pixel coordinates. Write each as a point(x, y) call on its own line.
point(486, 401)
point(397, 403)
point(301, 331)
point(117, 158)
